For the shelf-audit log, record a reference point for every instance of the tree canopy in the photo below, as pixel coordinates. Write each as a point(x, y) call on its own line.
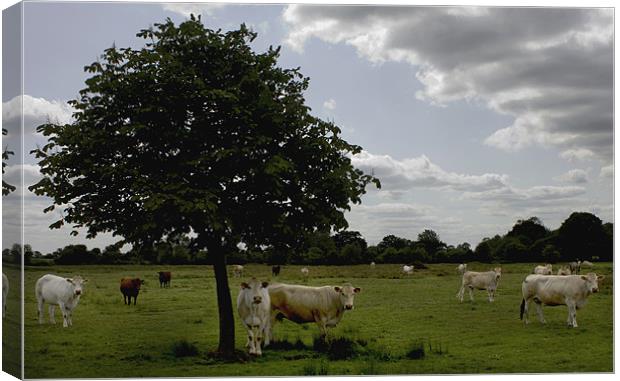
point(196, 134)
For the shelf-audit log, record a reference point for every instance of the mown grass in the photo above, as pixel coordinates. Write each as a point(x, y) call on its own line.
point(400, 325)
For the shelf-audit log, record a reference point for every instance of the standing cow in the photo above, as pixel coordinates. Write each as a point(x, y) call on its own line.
point(481, 281)
point(461, 268)
point(304, 273)
point(65, 292)
point(554, 290)
point(237, 271)
point(564, 271)
point(575, 267)
point(130, 287)
point(304, 304)
point(254, 308)
point(275, 270)
point(164, 278)
point(5, 292)
point(543, 270)
point(408, 270)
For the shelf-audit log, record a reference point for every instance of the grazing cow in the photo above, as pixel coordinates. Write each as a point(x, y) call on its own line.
point(254, 310)
point(5, 291)
point(275, 270)
point(408, 269)
point(237, 271)
point(553, 290)
point(481, 281)
point(564, 271)
point(164, 278)
point(461, 268)
point(303, 304)
point(587, 264)
point(54, 290)
point(130, 287)
point(304, 273)
point(575, 267)
point(543, 270)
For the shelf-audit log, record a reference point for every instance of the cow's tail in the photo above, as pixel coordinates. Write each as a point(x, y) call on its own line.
point(522, 309)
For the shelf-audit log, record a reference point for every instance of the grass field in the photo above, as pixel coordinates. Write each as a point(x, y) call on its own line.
point(400, 325)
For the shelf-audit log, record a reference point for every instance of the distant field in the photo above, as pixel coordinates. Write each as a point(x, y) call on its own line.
point(393, 316)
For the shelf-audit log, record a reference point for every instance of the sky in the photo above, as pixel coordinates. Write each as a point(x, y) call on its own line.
point(471, 117)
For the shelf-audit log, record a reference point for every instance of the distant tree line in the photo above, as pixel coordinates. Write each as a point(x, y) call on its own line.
point(581, 236)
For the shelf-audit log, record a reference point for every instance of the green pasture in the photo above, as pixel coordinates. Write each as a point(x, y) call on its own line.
point(394, 316)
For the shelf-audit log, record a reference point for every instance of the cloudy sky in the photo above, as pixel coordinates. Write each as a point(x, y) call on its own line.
point(472, 118)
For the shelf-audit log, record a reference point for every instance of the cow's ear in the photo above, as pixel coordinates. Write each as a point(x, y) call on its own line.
point(244, 285)
point(69, 280)
point(337, 289)
point(600, 277)
point(584, 277)
point(357, 289)
point(265, 284)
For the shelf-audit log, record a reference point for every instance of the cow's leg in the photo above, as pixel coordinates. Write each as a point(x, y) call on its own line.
point(491, 293)
point(572, 314)
point(135, 299)
point(251, 340)
point(266, 332)
point(459, 295)
point(65, 322)
point(526, 311)
point(257, 340)
point(40, 310)
point(70, 317)
point(471, 294)
point(539, 312)
point(52, 310)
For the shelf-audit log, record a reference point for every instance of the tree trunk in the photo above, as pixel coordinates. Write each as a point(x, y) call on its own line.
point(224, 302)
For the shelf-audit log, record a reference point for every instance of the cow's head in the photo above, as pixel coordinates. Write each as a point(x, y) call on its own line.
point(592, 281)
point(347, 293)
point(498, 273)
point(255, 289)
point(77, 282)
point(137, 282)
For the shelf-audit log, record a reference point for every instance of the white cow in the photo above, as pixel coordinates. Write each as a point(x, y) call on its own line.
point(587, 264)
point(553, 290)
point(65, 292)
point(461, 268)
point(543, 270)
point(408, 269)
point(372, 264)
point(254, 310)
point(237, 271)
point(575, 267)
point(5, 292)
point(481, 281)
point(564, 271)
point(304, 273)
point(303, 304)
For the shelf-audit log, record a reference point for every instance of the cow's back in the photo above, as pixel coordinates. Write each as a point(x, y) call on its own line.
point(552, 289)
point(52, 288)
point(301, 303)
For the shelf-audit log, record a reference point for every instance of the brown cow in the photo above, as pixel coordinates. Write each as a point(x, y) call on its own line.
point(164, 278)
point(130, 287)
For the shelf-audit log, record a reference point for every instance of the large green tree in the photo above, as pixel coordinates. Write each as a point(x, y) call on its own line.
point(197, 134)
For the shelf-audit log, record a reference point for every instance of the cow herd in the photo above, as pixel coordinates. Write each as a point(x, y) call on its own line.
point(261, 304)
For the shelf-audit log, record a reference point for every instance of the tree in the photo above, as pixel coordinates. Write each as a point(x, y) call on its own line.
point(394, 242)
point(529, 231)
point(196, 133)
point(6, 187)
point(431, 242)
point(582, 235)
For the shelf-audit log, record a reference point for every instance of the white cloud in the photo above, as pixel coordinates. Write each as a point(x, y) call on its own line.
point(419, 171)
point(577, 154)
point(186, 9)
point(36, 111)
point(330, 104)
point(607, 171)
point(575, 176)
point(549, 68)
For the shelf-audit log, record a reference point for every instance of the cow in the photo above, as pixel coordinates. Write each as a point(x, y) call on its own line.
point(65, 292)
point(164, 278)
point(408, 269)
point(564, 271)
point(237, 271)
point(553, 290)
point(543, 270)
point(461, 268)
point(372, 265)
point(304, 273)
point(275, 270)
point(481, 281)
point(5, 292)
point(130, 287)
point(575, 267)
point(587, 264)
point(324, 306)
point(254, 308)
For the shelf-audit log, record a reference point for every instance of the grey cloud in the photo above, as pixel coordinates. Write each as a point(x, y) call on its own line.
point(549, 68)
